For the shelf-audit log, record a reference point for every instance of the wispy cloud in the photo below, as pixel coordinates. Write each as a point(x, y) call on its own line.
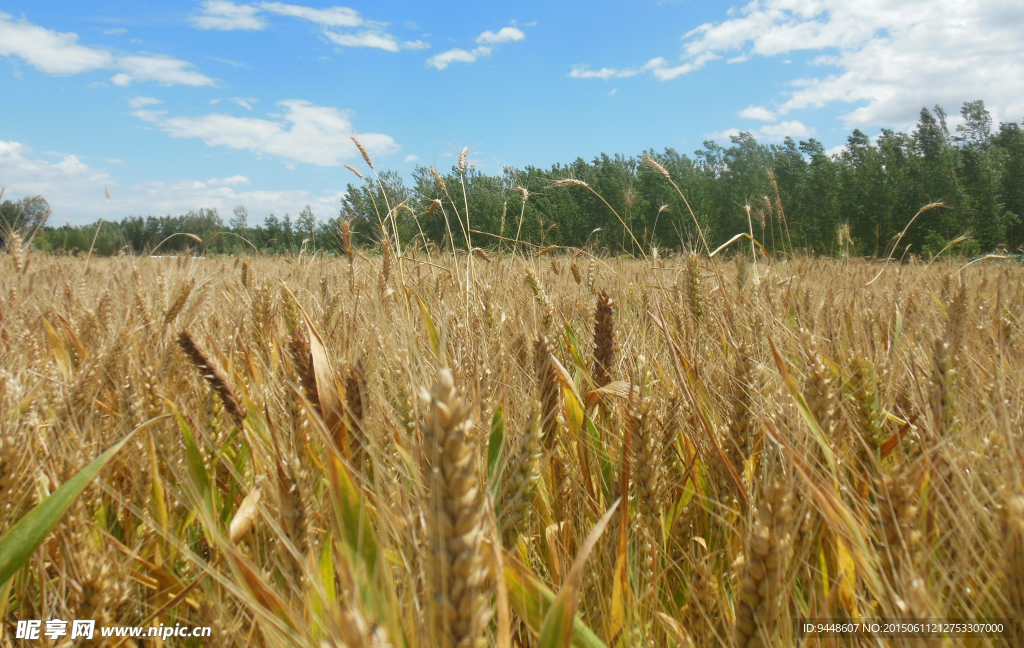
point(659, 67)
point(444, 59)
point(244, 102)
point(59, 53)
point(330, 17)
point(485, 40)
point(888, 57)
point(757, 112)
point(229, 182)
point(162, 69)
point(305, 133)
point(228, 16)
point(231, 62)
point(142, 102)
point(378, 40)
point(49, 51)
point(665, 72)
point(27, 173)
point(503, 35)
point(768, 132)
point(581, 72)
point(74, 190)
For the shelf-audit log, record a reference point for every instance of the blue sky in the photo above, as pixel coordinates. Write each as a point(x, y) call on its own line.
point(180, 105)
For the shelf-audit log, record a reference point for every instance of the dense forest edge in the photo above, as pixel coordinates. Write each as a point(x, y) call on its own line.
point(792, 197)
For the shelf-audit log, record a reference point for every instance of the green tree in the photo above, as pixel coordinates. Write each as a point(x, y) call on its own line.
point(240, 221)
point(980, 165)
point(272, 225)
point(305, 227)
point(1010, 141)
point(287, 233)
point(28, 214)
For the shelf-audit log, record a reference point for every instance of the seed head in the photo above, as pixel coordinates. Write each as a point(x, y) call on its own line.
point(366, 156)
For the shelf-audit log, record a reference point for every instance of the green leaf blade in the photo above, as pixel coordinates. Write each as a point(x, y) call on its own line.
point(22, 539)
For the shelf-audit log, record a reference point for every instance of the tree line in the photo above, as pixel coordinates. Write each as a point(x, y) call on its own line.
point(793, 197)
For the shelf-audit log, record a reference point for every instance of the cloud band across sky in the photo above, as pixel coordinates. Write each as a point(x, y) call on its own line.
point(888, 57)
point(59, 53)
point(307, 133)
point(485, 42)
point(224, 15)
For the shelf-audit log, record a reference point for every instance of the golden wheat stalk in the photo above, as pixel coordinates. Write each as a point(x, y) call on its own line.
point(604, 339)
point(214, 375)
point(454, 512)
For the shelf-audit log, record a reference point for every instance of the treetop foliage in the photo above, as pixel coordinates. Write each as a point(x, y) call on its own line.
point(791, 196)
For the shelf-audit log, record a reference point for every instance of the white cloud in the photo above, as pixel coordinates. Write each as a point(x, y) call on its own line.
point(151, 116)
point(825, 59)
point(503, 35)
point(410, 158)
point(162, 69)
point(142, 102)
point(757, 112)
point(75, 191)
point(225, 61)
point(330, 17)
point(444, 59)
point(229, 182)
point(116, 31)
point(487, 38)
point(723, 135)
point(244, 102)
point(665, 72)
point(305, 133)
point(889, 57)
point(379, 40)
point(658, 66)
point(225, 15)
point(115, 161)
point(919, 54)
point(49, 51)
point(767, 133)
point(581, 72)
point(65, 184)
point(59, 53)
point(228, 16)
point(779, 132)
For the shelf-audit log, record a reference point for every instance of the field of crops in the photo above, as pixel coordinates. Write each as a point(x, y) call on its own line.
point(406, 448)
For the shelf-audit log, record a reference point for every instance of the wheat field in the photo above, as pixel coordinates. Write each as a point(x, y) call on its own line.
point(410, 448)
